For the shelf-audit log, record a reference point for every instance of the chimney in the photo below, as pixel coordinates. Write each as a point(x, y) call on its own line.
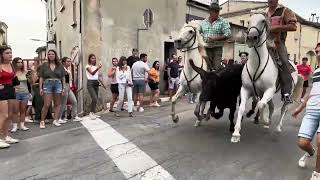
point(313, 15)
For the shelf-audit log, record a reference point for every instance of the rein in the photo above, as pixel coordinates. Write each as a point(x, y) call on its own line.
point(256, 76)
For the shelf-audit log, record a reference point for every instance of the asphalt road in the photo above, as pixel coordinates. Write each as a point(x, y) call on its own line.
point(180, 151)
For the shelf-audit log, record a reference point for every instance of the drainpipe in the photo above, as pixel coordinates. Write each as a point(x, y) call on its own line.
point(138, 36)
point(299, 56)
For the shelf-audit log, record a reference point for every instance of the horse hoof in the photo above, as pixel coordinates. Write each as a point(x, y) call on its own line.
point(256, 121)
point(175, 119)
point(197, 124)
point(235, 139)
point(208, 117)
point(266, 126)
point(279, 129)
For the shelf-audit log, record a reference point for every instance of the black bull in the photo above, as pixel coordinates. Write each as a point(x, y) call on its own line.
point(222, 89)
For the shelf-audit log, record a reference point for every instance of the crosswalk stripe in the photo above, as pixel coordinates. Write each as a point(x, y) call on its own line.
point(131, 161)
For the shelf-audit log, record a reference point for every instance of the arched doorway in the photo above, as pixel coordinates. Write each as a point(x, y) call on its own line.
point(312, 59)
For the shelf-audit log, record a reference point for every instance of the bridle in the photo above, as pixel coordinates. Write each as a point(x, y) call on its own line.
point(260, 32)
point(187, 49)
point(193, 39)
point(256, 76)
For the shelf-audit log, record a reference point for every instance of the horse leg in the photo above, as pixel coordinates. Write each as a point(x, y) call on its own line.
point(179, 93)
point(256, 118)
point(253, 107)
point(284, 110)
point(197, 113)
point(271, 109)
point(231, 118)
point(244, 98)
point(267, 96)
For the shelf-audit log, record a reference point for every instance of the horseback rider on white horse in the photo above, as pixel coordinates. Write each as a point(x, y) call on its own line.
point(214, 30)
point(282, 21)
point(265, 65)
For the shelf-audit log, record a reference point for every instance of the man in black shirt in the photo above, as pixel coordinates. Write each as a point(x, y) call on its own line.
point(134, 58)
point(173, 75)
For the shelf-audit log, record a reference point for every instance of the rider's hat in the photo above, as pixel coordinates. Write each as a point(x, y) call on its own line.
point(215, 6)
point(243, 52)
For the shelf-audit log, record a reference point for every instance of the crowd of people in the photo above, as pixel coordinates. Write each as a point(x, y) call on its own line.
point(24, 93)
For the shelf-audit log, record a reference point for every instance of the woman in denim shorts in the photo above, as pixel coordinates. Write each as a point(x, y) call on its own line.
point(22, 96)
point(52, 83)
point(7, 96)
point(311, 122)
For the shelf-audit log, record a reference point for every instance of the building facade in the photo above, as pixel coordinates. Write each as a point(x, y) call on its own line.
point(113, 28)
point(300, 43)
point(3, 33)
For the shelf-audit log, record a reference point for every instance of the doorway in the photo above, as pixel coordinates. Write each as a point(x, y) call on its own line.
point(169, 50)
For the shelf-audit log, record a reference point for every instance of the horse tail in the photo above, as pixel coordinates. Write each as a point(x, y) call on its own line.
point(199, 70)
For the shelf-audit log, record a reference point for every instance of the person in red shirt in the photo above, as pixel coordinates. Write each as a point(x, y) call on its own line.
point(305, 71)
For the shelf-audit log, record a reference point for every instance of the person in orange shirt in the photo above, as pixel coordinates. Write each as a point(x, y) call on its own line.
point(154, 78)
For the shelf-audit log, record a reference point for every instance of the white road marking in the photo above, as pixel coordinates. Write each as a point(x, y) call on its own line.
point(132, 161)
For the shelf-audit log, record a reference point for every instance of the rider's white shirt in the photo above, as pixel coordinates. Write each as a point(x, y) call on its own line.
point(314, 100)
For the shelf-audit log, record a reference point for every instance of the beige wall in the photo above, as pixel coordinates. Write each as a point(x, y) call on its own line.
point(309, 37)
point(61, 25)
point(236, 6)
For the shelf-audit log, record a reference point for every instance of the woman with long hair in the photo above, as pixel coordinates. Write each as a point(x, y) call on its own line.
point(125, 84)
point(7, 96)
point(154, 79)
point(92, 72)
point(22, 96)
point(68, 94)
point(52, 83)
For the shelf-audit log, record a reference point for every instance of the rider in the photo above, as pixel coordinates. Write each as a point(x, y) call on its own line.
point(244, 57)
point(214, 29)
point(282, 21)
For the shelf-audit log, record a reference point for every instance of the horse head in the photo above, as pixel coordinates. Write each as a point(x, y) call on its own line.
point(258, 28)
point(188, 36)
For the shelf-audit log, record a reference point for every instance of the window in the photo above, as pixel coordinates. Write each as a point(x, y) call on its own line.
point(242, 22)
point(61, 5)
point(74, 5)
point(54, 9)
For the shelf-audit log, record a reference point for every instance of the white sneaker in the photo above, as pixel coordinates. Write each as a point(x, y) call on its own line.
point(92, 116)
point(23, 128)
point(97, 116)
point(315, 176)
point(10, 140)
point(141, 109)
point(28, 120)
point(62, 121)
point(77, 119)
point(56, 123)
point(157, 105)
point(303, 160)
point(14, 127)
point(191, 102)
point(3, 144)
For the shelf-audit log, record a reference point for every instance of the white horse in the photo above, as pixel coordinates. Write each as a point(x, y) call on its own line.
point(260, 75)
point(191, 43)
